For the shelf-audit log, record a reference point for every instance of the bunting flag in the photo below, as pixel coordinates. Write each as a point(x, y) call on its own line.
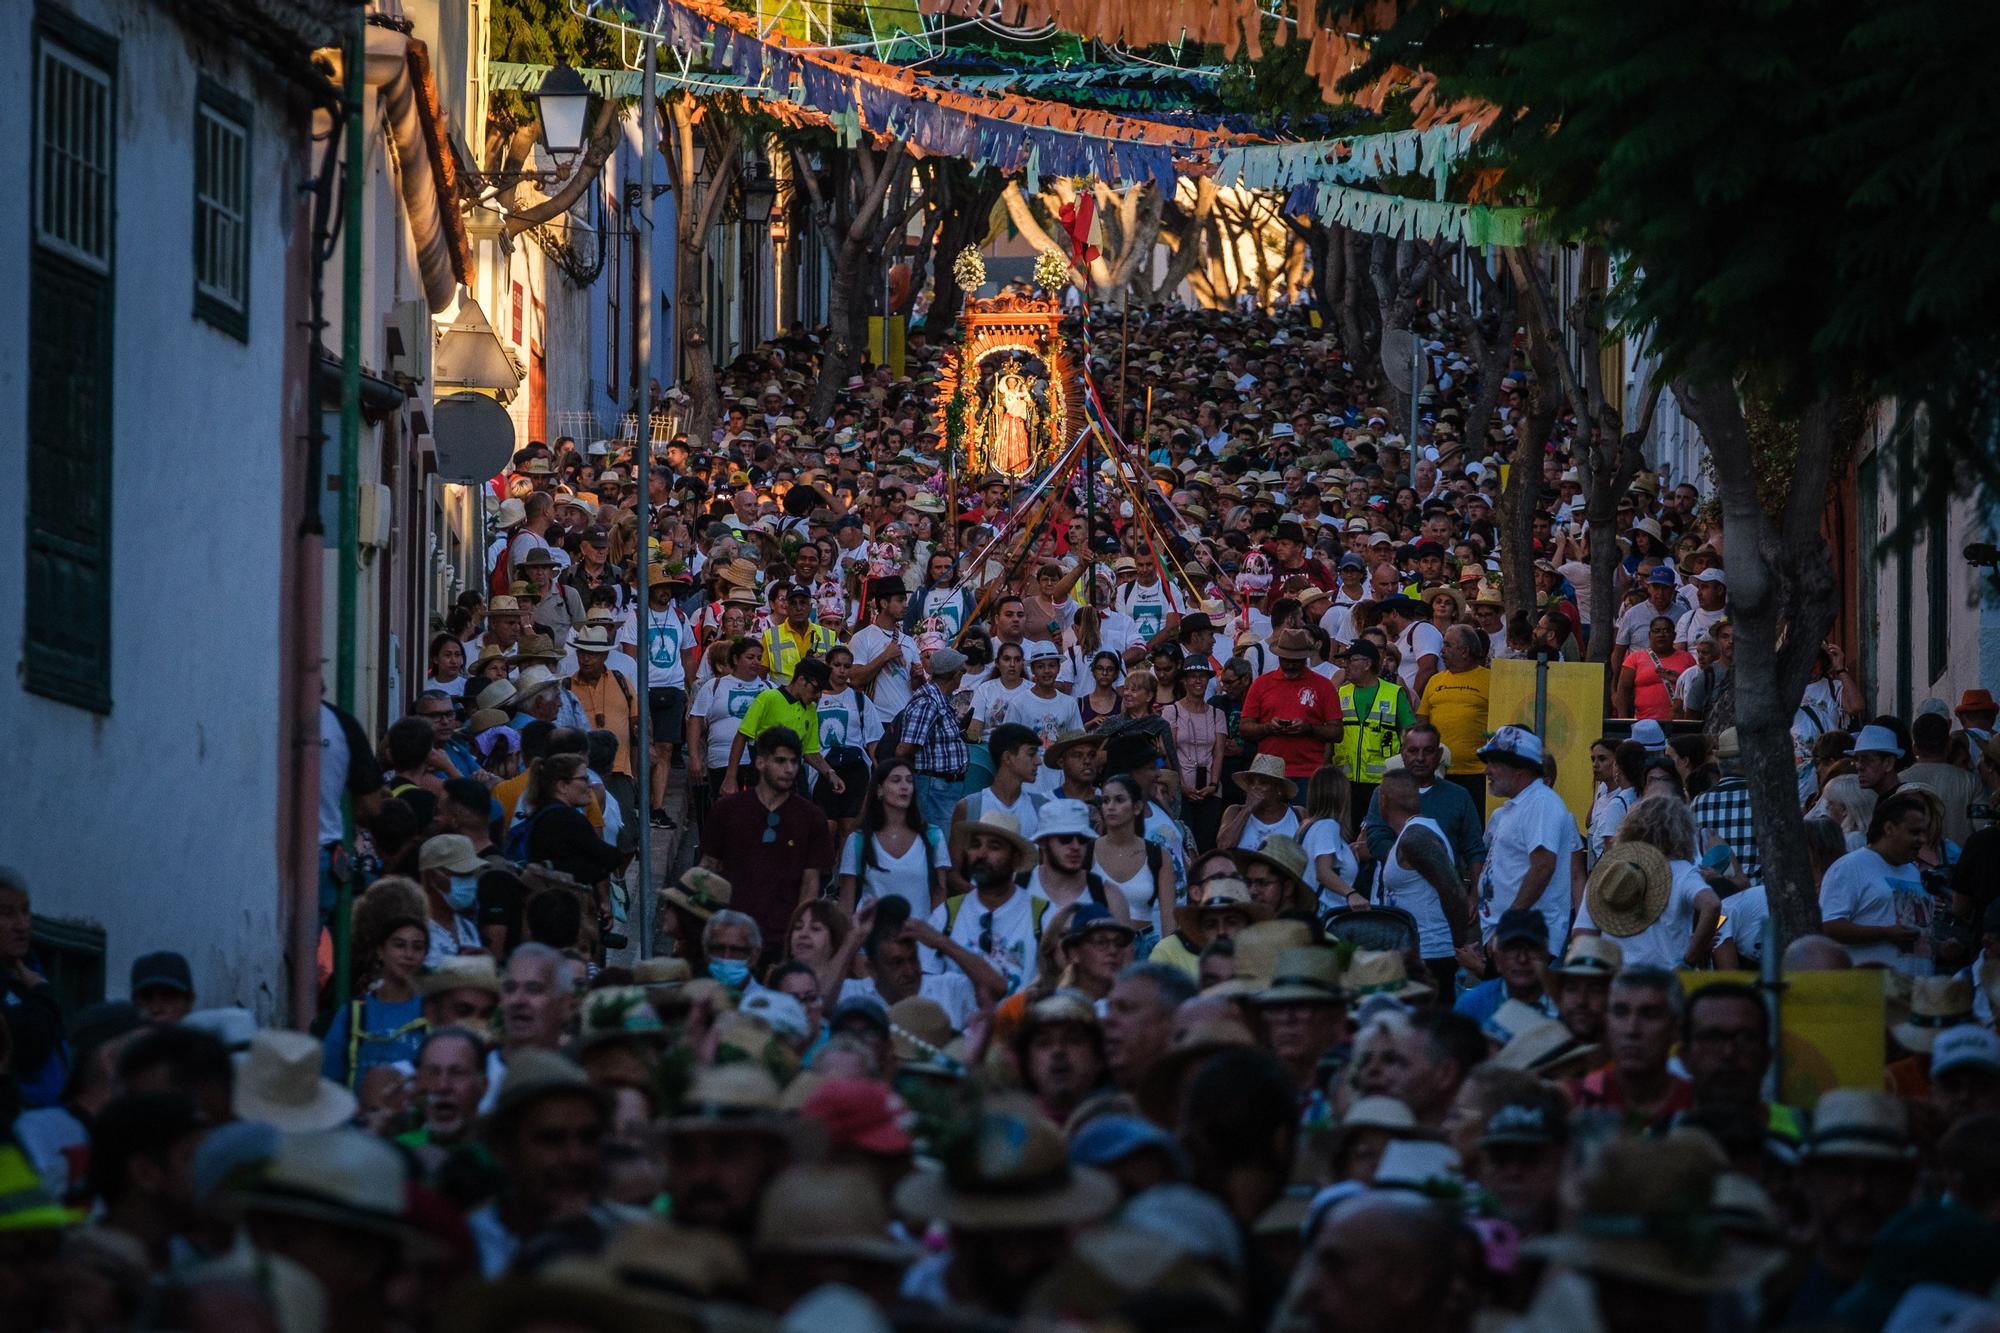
point(1379, 214)
point(1347, 160)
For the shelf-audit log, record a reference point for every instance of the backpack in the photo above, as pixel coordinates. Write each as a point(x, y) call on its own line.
point(1037, 907)
point(515, 849)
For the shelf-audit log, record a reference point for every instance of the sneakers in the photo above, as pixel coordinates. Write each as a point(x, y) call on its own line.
point(661, 819)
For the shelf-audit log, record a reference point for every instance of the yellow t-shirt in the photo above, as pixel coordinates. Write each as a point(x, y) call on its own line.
point(775, 708)
point(1455, 702)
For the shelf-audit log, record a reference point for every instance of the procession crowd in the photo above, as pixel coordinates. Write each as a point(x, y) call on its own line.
point(1111, 899)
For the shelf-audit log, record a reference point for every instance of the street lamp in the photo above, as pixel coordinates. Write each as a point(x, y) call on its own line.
point(562, 102)
point(760, 191)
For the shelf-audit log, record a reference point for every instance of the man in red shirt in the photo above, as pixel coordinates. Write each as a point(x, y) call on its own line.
point(1292, 712)
point(1640, 1025)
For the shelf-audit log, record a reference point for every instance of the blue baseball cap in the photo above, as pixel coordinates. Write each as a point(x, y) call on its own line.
point(1662, 577)
point(1091, 916)
point(1110, 1139)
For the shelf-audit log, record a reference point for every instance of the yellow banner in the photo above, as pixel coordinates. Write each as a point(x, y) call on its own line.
point(1575, 720)
point(887, 342)
point(1830, 1030)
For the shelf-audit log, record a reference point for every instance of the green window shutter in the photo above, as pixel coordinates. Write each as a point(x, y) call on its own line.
point(67, 652)
point(222, 209)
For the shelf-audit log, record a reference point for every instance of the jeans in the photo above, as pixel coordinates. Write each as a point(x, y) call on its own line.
point(936, 798)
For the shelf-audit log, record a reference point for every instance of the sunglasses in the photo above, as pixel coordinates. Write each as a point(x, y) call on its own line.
point(771, 827)
point(985, 932)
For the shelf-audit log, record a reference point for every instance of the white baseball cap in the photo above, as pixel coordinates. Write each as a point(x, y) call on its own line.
point(1965, 1045)
point(1038, 649)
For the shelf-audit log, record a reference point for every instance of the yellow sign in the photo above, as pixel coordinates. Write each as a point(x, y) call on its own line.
point(1575, 720)
point(890, 353)
point(1829, 1027)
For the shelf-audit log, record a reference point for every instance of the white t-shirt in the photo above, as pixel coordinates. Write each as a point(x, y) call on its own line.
point(1147, 606)
point(1636, 624)
point(907, 876)
point(1695, 624)
point(1409, 890)
point(1327, 838)
point(993, 703)
point(1338, 623)
point(1422, 639)
point(1026, 809)
point(1004, 937)
point(1534, 820)
point(890, 689)
point(1743, 917)
point(847, 718)
point(951, 605)
point(1256, 832)
point(951, 991)
point(668, 637)
point(721, 704)
point(1665, 942)
point(1048, 719)
point(1865, 889)
point(455, 688)
point(1607, 812)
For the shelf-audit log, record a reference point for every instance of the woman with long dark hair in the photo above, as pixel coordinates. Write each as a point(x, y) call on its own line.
point(446, 663)
point(1619, 767)
point(1103, 700)
point(893, 852)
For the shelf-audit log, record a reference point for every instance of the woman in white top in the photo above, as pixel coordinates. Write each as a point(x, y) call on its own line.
point(1127, 861)
point(1618, 767)
point(893, 852)
point(1266, 811)
point(447, 665)
point(1324, 837)
point(1683, 934)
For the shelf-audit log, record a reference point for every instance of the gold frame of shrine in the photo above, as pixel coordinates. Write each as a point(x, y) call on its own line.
point(996, 326)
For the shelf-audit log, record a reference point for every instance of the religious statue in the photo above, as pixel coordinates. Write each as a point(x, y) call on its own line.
point(1010, 429)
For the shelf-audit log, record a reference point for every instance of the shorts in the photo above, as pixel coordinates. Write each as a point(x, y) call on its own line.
point(668, 707)
point(847, 804)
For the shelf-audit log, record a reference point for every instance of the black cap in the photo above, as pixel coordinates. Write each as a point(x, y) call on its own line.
point(1522, 923)
point(1288, 531)
point(597, 534)
point(1429, 548)
point(1194, 623)
point(165, 969)
point(1364, 648)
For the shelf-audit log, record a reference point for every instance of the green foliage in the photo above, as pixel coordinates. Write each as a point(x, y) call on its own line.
point(1807, 187)
point(541, 32)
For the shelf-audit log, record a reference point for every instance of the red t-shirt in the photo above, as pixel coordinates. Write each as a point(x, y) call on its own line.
point(1601, 1090)
point(764, 876)
point(1311, 698)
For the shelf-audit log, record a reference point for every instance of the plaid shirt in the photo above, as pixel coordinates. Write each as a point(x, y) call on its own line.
point(930, 724)
point(1724, 810)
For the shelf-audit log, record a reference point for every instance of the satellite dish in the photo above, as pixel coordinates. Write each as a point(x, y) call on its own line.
point(1399, 351)
point(474, 438)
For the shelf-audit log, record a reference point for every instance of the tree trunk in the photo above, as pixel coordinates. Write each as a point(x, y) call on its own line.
point(862, 191)
point(1782, 600)
point(971, 203)
point(1181, 229)
point(696, 207)
point(1524, 475)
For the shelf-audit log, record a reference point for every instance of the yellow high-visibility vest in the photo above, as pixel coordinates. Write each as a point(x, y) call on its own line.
point(1366, 743)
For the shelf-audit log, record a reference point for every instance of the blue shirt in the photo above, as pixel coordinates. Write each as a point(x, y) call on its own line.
point(389, 1032)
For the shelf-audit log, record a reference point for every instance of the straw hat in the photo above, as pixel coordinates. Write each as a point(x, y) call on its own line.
point(740, 573)
point(1381, 972)
point(1645, 1218)
point(1629, 888)
point(920, 1031)
point(1308, 975)
point(1544, 1048)
point(533, 1077)
point(592, 639)
point(619, 1013)
point(1284, 855)
point(1011, 1171)
point(1936, 1003)
point(700, 891)
point(1159, 1090)
point(739, 1097)
point(1590, 956)
point(460, 971)
point(511, 514)
point(1057, 750)
point(536, 648)
point(345, 1176)
point(999, 824)
point(828, 1212)
point(279, 1083)
point(1229, 895)
point(1859, 1122)
point(1271, 768)
point(531, 682)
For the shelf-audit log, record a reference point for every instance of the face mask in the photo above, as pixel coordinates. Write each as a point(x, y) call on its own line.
point(464, 892)
point(731, 972)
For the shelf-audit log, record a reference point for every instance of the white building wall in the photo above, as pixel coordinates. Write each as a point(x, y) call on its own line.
point(159, 821)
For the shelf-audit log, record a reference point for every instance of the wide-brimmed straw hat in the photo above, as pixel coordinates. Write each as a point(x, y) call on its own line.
point(1057, 750)
point(1228, 895)
point(1859, 1122)
point(700, 891)
point(1629, 888)
point(1381, 972)
point(460, 971)
point(531, 682)
point(1010, 1171)
point(836, 1212)
point(344, 1176)
point(739, 1097)
point(1590, 956)
point(998, 824)
point(1646, 1219)
point(1271, 768)
point(1936, 1003)
point(1288, 858)
point(1308, 975)
point(279, 1083)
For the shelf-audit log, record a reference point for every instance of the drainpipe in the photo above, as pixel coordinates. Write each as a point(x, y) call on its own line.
point(642, 757)
point(348, 546)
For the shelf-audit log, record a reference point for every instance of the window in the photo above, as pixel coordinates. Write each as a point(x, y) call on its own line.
point(67, 649)
point(222, 210)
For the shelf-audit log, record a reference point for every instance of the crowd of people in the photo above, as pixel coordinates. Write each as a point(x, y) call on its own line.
point(1115, 911)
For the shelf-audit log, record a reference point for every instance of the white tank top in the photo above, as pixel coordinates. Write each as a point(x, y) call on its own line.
point(1256, 831)
point(1138, 890)
point(1408, 889)
point(1026, 809)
